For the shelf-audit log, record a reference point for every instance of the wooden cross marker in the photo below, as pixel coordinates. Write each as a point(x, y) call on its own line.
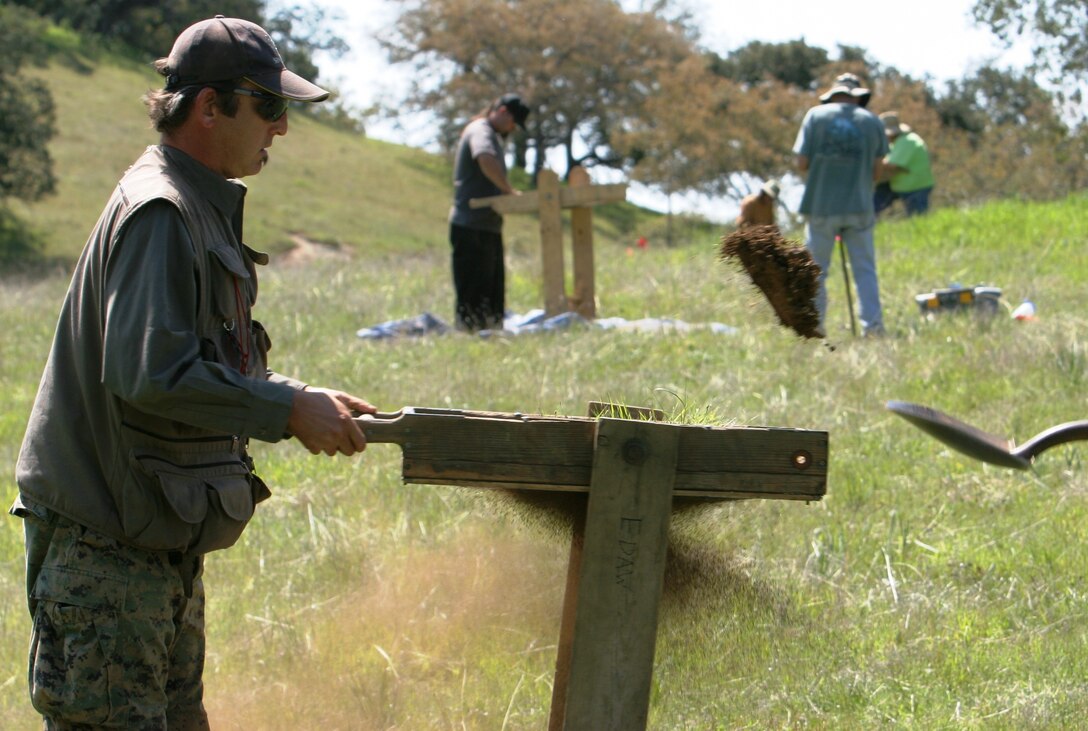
point(631, 468)
point(549, 200)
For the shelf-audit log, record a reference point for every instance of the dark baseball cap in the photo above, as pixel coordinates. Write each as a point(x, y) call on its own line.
point(224, 49)
point(516, 107)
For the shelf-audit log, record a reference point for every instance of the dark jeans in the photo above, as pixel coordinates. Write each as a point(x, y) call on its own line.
point(915, 202)
point(479, 278)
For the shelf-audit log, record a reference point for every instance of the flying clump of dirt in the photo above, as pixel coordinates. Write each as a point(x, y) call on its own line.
point(784, 271)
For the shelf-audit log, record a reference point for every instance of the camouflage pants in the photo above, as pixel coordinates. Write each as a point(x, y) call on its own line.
point(118, 638)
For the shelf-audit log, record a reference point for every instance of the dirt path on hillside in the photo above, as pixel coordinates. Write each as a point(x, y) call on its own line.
point(306, 250)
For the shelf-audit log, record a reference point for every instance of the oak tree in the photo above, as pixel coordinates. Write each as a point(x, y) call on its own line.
point(585, 67)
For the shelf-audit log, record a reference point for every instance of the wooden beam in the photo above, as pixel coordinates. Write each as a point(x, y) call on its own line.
point(593, 195)
point(529, 202)
point(565, 645)
point(551, 244)
point(555, 453)
point(621, 575)
point(583, 301)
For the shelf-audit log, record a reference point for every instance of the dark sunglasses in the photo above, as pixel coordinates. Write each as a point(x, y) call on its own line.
point(270, 106)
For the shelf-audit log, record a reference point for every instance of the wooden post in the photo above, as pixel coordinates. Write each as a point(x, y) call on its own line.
point(551, 244)
point(603, 679)
point(565, 646)
point(581, 228)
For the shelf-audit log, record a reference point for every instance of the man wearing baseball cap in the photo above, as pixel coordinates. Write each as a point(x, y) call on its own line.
point(135, 461)
point(479, 171)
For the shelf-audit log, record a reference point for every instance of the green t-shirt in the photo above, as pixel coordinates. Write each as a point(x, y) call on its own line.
point(909, 152)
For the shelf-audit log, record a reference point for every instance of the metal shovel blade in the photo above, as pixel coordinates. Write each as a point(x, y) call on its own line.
point(962, 437)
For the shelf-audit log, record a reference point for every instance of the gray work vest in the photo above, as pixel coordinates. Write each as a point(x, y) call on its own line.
point(146, 480)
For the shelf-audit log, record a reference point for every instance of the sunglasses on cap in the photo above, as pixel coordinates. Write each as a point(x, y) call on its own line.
point(270, 107)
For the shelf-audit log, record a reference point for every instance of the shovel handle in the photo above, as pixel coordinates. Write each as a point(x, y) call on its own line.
point(1072, 431)
point(384, 427)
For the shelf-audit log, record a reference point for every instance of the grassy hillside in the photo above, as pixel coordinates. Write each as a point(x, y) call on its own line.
point(925, 591)
point(331, 186)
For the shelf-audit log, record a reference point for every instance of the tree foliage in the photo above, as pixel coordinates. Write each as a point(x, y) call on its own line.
point(149, 27)
point(634, 90)
point(1056, 27)
point(300, 32)
point(584, 66)
point(27, 117)
point(1003, 136)
point(146, 26)
point(793, 63)
point(995, 97)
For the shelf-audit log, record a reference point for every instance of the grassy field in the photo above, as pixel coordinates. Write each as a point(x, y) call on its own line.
point(925, 591)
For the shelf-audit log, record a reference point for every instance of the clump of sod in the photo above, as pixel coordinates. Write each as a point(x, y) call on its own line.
point(784, 271)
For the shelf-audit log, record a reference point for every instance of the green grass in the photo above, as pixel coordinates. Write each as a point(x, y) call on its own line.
point(925, 591)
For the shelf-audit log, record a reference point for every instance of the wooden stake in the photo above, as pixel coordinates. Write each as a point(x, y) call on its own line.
point(621, 572)
point(581, 225)
point(551, 243)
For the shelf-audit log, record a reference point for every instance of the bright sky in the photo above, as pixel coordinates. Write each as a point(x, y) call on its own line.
point(924, 38)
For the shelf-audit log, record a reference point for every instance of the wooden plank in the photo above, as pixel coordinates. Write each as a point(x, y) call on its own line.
point(583, 300)
point(533, 452)
point(622, 571)
point(565, 645)
point(551, 244)
point(807, 491)
point(760, 450)
point(593, 195)
point(529, 202)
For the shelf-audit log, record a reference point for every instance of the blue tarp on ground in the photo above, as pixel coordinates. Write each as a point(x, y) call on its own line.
point(535, 321)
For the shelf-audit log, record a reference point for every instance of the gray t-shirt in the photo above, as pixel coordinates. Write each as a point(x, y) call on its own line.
point(469, 181)
point(842, 142)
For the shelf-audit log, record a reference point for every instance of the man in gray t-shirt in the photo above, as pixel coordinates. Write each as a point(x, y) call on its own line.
point(479, 171)
point(838, 149)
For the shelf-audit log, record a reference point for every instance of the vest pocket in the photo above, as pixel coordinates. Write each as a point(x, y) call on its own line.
point(167, 506)
point(226, 331)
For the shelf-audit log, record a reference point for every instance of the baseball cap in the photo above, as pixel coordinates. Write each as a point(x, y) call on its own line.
point(516, 107)
point(224, 49)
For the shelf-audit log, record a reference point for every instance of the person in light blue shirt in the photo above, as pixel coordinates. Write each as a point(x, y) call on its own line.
point(839, 149)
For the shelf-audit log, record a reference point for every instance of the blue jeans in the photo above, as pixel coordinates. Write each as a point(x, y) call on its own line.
point(915, 202)
point(856, 230)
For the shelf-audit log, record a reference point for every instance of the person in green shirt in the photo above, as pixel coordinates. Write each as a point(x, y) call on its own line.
point(905, 173)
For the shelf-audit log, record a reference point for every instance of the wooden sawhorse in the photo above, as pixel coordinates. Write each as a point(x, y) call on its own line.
point(632, 469)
